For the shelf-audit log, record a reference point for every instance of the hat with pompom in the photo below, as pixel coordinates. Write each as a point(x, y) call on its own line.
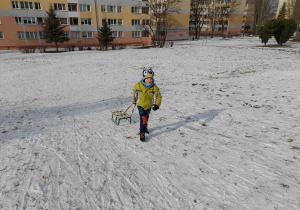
point(148, 73)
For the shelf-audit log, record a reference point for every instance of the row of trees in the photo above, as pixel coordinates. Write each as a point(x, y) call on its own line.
point(265, 10)
point(213, 11)
point(53, 31)
point(291, 10)
point(281, 29)
point(284, 26)
point(159, 21)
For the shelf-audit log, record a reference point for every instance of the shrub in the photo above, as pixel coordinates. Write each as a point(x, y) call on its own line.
point(71, 48)
point(288, 28)
point(122, 46)
point(27, 49)
point(265, 34)
point(281, 29)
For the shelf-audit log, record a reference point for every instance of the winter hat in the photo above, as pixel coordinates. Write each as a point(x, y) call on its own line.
point(148, 73)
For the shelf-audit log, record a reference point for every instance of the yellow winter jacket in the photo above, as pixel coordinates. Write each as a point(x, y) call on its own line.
point(145, 95)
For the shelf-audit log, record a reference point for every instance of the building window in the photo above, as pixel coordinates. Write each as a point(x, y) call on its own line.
point(40, 21)
point(60, 7)
point(145, 22)
point(1, 35)
point(37, 5)
point(18, 20)
point(114, 34)
point(103, 8)
point(73, 21)
point(111, 8)
point(112, 21)
point(145, 33)
point(29, 20)
point(85, 8)
point(145, 10)
point(135, 22)
point(136, 34)
point(135, 9)
point(72, 7)
point(28, 35)
point(15, 4)
point(120, 9)
point(75, 34)
point(21, 35)
point(41, 33)
point(121, 34)
point(87, 34)
point(26, 5)
point(31, 35)
point(120, 21)
point(86, 21)
point(63, 21)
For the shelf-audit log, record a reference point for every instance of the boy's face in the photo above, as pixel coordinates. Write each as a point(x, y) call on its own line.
point(148, 80)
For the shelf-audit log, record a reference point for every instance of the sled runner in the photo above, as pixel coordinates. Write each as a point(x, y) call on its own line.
point(119, 115)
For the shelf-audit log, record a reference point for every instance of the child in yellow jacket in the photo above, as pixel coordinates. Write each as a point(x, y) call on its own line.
point(145, 90)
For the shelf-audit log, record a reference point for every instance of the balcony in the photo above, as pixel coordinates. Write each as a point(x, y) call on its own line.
point(73, 1)
point(75, 27)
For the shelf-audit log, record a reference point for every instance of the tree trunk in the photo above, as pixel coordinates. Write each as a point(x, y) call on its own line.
point(196, 29)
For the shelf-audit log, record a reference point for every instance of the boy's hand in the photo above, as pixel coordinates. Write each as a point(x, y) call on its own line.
point(155, 107)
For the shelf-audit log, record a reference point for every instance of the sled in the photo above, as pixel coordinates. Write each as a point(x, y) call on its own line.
point(119, 115)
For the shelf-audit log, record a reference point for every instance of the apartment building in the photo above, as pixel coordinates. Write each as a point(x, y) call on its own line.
point(221, 17)
point(21, 22)
point(178, 16)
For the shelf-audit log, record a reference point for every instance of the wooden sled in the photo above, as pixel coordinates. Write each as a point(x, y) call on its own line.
point(119, 115)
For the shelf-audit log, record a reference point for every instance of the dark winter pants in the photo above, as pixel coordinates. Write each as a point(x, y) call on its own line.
point(144, 116)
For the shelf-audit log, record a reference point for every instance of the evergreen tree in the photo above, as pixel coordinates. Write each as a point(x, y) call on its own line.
point(105, 35)
point(281, 29)
point(265, 34)
point(53, 31)
point(282, 13)
point(286, 30)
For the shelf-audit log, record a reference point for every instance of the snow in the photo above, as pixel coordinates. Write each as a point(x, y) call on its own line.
point(225, 137)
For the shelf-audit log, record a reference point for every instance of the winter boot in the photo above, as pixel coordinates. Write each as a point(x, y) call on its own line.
point(142, 137)
point(146, 130)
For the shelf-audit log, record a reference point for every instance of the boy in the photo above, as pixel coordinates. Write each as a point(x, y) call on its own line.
point(144, 90)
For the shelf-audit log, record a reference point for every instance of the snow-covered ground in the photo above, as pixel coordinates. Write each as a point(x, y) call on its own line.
point(225, 137)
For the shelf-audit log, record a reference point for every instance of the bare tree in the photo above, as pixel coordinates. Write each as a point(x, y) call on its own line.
point(197, 15)
point(224, 11)
point(159, 19)
point(212, 16)
point(263, 10)
point(221, 14)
